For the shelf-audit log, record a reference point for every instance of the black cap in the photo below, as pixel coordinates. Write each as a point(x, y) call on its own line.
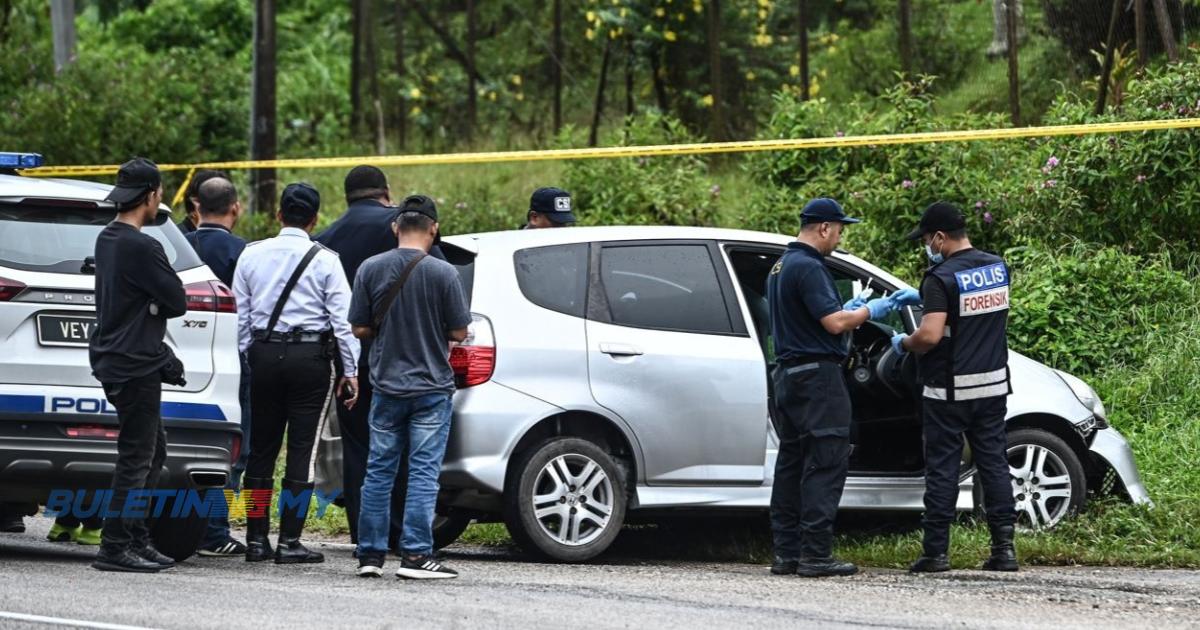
point(133, 180)
point(555, 203)
point(419, 204)
point(824, 209)
point(300, 199)
point(365, 181)
point(939, 217)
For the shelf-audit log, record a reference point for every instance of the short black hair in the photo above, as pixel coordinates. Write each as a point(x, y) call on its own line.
point(365, 182)
point(957, 235)
point(409, 222)
point(296, 216)
point(217, 197)
point(201, 176)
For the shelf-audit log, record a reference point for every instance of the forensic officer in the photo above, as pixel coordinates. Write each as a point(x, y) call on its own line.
point(292, 302)
point(549, 208)
point(363, 231)
point(809, 325)
point(963, 365)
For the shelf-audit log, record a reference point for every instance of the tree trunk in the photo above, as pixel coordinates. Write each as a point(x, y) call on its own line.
point(558, 65)
point(401, 72)
point(628, 76)
point(1139, 27)
point(598, 108)
point(356, 20)
point(471, 89)
point(262, 116)
point(1014, 77)
point(802, 20)
point(370, 64)
point(1109, 48)
point(906, 43)
point(660, 87)
point(717, 122)
point(62, 22)
point(1165, 30)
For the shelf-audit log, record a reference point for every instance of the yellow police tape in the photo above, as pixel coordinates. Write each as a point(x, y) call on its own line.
point(654, 150)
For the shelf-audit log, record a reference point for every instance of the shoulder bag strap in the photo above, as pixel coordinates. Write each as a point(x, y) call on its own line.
point(394, 292)
point(291, 284)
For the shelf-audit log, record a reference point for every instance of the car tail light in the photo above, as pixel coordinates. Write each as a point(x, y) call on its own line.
point(235, 450)
point(10, 289)
point(91, 431)
point(474, 359)
point(210, 296)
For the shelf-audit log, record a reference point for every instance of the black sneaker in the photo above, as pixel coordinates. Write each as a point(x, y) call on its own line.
point(125, 560)
point(824, 567)
point(227, 548)
point(153, 555)
point(424, 568)
point(370, 565)
point(12, 524)
point(784, 567)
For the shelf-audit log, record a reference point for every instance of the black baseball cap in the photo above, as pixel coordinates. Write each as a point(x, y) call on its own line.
point(302, 198)
point(940, 216)
point(419, 204)
point(133, 180)
point(824, 209)
point(555, 203)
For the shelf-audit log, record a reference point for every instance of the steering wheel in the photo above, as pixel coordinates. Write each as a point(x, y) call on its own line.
point(896, 372)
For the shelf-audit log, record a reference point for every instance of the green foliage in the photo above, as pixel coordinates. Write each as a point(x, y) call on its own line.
point(645, 191)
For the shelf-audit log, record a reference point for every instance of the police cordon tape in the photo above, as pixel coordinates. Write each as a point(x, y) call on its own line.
point(700, 148)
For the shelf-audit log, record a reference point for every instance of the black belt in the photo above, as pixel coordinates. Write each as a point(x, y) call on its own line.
point(811, 358)
point(295, 336)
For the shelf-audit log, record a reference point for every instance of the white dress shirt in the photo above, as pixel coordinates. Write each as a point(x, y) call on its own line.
point(320, 300)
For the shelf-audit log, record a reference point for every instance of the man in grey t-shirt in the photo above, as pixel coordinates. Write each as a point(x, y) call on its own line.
point(413, 306)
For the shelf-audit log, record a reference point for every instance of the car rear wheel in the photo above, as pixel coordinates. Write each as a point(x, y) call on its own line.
point(178, 537)
point(447, 529)
point(565, 500)
point(1048, 479)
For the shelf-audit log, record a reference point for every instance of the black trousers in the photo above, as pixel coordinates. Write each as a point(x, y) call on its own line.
point(141, 453)
point(982, 422)
point(356, 445)
point(812, 409)
point(290, 385)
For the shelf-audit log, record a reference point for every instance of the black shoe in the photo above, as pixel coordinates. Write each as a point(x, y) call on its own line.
point(824, 567)
point(1004, 552)
point(290, 551)
point(370, 565)
point(148, 552)
point(12, 524)
point(223, 549)
point(784, 567)
point(125, 560)
point(424, 568)
point(930, 564)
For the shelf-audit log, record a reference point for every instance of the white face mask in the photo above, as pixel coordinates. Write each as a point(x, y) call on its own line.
point(934, 257)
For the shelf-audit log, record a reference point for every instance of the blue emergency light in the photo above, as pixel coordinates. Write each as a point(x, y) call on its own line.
point(21, 160)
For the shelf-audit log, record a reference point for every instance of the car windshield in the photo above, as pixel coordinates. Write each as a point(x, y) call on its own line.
point(57, 237)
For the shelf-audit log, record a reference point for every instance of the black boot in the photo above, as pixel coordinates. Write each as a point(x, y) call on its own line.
point(291, 525)
point(930, 564)
point(933, 552)
point(1004, 553)
point(258, 528)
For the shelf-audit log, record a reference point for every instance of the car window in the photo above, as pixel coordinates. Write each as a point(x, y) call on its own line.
point(554, 277)
point(671, 287)
point(57, 238)
point(849, 286)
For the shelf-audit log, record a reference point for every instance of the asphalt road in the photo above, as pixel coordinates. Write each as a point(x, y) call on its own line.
point(45, 584)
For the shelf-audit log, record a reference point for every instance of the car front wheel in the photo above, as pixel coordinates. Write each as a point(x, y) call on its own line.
point(447, 529)
point(1048, 479)
point(565, 500)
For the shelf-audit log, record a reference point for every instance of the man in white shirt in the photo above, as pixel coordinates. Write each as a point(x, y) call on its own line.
point(293, 299)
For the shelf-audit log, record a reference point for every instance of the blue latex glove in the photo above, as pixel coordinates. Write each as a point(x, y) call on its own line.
point(905, 297)
point(858, 301)
point(880, 308)
point(897, 344)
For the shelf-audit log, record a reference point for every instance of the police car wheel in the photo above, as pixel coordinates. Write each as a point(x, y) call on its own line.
point(178, 537)
point(565, 500)
point(1048, 479)
point(447, 529)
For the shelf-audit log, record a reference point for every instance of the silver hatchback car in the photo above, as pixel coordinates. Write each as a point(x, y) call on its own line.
point(622, 370)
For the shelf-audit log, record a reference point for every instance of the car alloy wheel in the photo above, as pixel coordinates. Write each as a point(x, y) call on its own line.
point(573, 499)
point(1048, 479)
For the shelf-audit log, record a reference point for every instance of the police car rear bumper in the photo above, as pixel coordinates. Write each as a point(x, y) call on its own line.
point(1109, 447)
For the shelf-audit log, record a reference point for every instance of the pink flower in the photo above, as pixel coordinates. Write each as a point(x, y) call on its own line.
point(1140, 178)
point(1050, 183)
point(1052, 162)
point(842, 134)
point(987, 218)
point(979, 205)
point(908, 183)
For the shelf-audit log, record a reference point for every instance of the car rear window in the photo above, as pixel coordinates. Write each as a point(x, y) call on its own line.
point(58, 237)
point(554, 277)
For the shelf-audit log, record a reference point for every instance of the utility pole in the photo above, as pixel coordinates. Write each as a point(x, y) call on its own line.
point(262, 109)
point(558, 63)
point(802, 19)
point(1014, 77)
point(906, 43)
point(62, 22)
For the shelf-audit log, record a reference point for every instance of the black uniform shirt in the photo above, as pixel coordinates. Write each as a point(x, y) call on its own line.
point(186, 226)
point(933, 293)
point(218, 248)
point(800, 292)
point(365, 230)
point(132, 272)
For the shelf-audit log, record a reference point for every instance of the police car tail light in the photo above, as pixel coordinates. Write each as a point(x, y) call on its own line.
point(235, 450)
point(10, 289)
point(210, 296)
point(474, 359)
point(93, 432)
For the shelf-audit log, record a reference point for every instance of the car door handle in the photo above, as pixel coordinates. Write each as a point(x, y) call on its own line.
point(620, 350)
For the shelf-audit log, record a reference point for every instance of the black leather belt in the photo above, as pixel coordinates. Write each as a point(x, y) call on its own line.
point(296, 336)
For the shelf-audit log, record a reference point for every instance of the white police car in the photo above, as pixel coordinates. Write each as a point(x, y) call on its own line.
point(57, 431)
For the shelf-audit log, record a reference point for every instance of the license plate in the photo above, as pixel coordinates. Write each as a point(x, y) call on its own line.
point(65, 330)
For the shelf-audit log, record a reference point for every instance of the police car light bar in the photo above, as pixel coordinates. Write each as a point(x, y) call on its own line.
point(21, 160)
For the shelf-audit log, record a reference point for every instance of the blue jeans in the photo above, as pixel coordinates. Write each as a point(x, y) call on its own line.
point(421, 425)
point(218, 525)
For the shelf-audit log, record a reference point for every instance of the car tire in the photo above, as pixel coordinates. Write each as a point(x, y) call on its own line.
point(1049, 481)
point(581, 509)
point(447, 529)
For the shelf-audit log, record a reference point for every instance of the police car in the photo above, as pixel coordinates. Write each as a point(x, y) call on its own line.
point(616, 373)
point(57, 431)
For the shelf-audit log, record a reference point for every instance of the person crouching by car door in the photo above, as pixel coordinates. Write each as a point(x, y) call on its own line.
point(137, 291)
point(809, 325)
